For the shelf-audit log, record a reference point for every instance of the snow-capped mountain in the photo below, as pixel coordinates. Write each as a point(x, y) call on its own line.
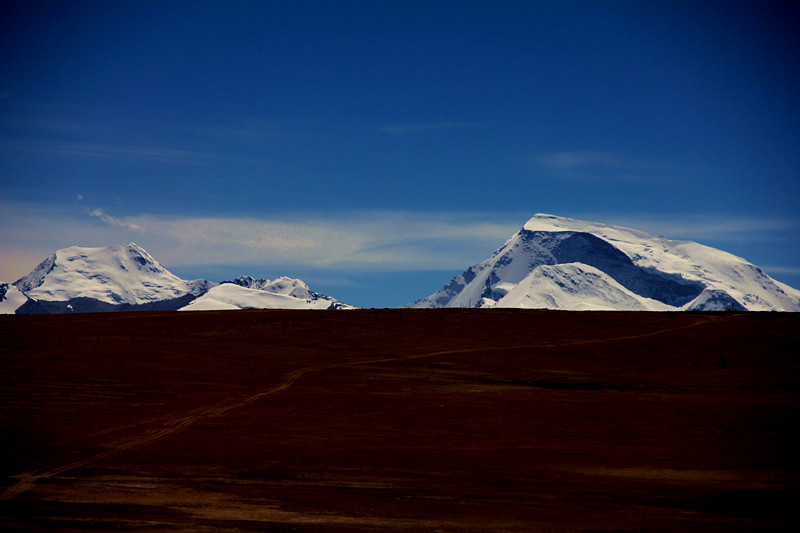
point(284, 285)
point(114, 275)
point(122, 278)
point(562, 263)
point(233, 296)
point(288, 287)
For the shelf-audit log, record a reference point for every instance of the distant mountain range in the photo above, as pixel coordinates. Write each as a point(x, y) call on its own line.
point(552, 262)
point(127, 278)
point(246, 292)
point(562, 263)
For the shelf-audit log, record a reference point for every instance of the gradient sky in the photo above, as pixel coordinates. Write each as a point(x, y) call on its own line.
point(376, 149)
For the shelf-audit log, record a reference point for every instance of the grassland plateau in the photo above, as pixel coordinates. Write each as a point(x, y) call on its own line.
point(404, 420)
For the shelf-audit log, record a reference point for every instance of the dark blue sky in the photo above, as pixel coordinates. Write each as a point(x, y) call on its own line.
point(273, 138)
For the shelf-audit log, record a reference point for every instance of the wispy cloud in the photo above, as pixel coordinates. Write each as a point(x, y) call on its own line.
point(369, 240)
point(243, 130)
point(402, 129)
point(706, 226)
point(594, 164)
point(375, 241)
point(351, 241)
point(115, 222)
point(794, 271)
point(48, 130)
point(580, 159)
point(110, 151)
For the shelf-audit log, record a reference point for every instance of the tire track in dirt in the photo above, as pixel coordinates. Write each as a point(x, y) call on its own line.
point(27, 480)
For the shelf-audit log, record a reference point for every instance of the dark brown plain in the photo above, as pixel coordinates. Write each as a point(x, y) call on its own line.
point(404, 420)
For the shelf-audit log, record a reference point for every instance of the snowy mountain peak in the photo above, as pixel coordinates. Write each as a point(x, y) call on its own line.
point(236, 296)
point(113, 274)
point(142, 259)
point(563, 263)
point(248, 281)
point(284, 286)
point(37, 275)
point(543, 222)
point(290, 287)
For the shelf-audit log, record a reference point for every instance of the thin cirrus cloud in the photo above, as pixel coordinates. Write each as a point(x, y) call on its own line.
point(781, 270)
point(111, 151)
point(50, 132)
point(113, 221)
point(707, 226)
point(589, 164)
point(379, 241)
point(375, 241)
point(580, 159)
point(408, 240)
point(402, 129)
point(357, 241)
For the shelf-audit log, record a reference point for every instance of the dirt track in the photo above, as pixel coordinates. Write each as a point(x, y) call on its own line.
point(407, 420)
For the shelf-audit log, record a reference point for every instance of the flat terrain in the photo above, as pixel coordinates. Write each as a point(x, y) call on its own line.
point(404, 420)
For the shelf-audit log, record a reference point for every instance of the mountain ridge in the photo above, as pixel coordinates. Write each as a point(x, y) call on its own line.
point(127, 278)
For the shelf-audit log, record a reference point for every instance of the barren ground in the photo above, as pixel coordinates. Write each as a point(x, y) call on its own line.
point(409, 420)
